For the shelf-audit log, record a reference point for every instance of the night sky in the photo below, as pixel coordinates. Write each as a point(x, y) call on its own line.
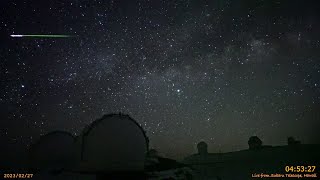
point(186, 70)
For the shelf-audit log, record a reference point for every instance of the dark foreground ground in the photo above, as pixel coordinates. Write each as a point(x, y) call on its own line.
point(245, 164)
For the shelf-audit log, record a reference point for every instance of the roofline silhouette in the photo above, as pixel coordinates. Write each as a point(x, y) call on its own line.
point(96, 122)
point(49, 134)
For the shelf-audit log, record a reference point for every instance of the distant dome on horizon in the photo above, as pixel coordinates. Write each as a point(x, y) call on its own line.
point(52, 150)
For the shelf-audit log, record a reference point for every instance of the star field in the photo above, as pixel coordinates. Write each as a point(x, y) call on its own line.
point(187, 71)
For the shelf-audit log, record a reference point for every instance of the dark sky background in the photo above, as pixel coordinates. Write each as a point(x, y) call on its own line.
point(186, 70)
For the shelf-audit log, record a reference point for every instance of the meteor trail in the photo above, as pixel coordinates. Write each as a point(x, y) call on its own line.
point(40, 35)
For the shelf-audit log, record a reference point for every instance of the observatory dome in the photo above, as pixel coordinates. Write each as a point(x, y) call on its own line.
point(53, 150)
point(113, 143)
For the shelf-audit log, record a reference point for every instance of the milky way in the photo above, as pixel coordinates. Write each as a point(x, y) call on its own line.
point(187, 71)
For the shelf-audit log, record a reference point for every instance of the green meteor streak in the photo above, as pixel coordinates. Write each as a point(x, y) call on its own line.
point(49, 36)
point(41, 35)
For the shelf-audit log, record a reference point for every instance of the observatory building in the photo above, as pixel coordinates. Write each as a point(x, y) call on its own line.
point(112, 147)
point(114, 143)
point(53, 151)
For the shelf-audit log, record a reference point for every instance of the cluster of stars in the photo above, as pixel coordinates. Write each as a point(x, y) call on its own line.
point(185, 70)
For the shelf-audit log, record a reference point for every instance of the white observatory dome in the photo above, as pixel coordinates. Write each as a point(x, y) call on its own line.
point(113, 143)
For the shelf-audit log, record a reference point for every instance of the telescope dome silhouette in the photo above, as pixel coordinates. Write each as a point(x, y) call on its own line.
point(113, 143)
point(54, 150)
